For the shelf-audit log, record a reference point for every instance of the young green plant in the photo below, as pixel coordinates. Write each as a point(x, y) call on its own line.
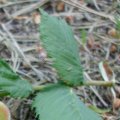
point(54, 101)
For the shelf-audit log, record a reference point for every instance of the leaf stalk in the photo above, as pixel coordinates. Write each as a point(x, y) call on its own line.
point(87, 83)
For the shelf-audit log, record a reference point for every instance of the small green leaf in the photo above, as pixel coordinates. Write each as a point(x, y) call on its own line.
point(84, 37)
point(60, 103)
point(58, 39)
point(11, 83)
point(118, 24)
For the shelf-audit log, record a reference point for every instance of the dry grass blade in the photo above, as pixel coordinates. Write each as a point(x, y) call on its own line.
point(75, 4)
point(29, 8)
point(18, 52)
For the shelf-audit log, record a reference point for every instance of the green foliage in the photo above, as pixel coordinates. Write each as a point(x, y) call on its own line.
point(118, 24)
point(58, 39)
point(54, 102)
point(83, 36)
point(60, 103)
point(11, 83)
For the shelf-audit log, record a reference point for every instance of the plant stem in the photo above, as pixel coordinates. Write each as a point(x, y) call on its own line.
point(42, 87)
point(87, 83)
point(99, 83)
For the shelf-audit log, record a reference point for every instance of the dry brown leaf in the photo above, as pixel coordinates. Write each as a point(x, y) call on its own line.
point(113, 48)
point(69, 19)
point(108, 69)
point(117, 90)
point(36, 18)
point(90, 42)
point(116, 103)
point(60, 6)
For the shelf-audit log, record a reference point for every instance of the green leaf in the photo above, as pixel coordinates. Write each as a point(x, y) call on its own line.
point(58, 39)
point(60, 103)
point(118, 24)
point(11, 83)
point(84, 37)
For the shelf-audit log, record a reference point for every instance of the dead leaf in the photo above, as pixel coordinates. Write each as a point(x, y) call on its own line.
point(36, 18)
point(117, 90)
point(91, 42)
point(60, 6)
point(69, 19)
point(113, 48)
point(116, 103)
point(106, 71)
